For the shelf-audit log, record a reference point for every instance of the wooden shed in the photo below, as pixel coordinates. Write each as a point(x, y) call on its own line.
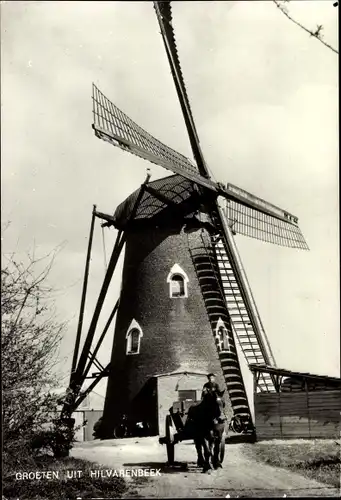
point(177, 386)
point(153, 402)
point(303, 406)
point(88, 413)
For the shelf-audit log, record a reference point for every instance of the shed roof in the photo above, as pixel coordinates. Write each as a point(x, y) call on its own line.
point(263, 368)
point(179, 373)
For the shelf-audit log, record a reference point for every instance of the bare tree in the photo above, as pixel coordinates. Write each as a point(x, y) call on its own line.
point(29, 343)
point(282, 5)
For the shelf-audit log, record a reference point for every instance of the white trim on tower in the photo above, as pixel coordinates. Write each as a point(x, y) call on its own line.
point(178, 283)
point(133, 336)
point(222, 336)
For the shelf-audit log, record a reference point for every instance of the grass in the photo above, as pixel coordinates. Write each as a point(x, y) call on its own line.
point(62, 488)
point(317, 459)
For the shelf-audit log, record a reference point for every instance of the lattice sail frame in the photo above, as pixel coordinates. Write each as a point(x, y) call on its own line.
point(115, 127)
point(256, 224)
point(246, 213)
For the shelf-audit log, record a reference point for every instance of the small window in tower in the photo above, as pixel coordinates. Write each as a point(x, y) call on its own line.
point(178, 281)
point(177, 286)
point(133, 337)
point(224, 338)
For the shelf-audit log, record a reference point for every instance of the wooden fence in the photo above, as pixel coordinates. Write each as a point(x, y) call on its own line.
point(283, 415)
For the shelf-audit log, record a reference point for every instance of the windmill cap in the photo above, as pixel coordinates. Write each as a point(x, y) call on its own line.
point(211, 375)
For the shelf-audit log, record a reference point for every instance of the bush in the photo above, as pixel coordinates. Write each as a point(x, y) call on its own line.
point(30, 339)
point(98, 432)
point(58, 439)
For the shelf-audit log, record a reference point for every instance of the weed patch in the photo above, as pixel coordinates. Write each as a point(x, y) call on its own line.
point(317, 459)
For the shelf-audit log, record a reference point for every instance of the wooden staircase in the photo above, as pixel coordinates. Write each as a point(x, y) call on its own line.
point(205, 263)
point(252, 346)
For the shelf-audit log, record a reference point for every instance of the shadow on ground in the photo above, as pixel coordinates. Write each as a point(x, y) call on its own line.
point(164, 468)
point(241, 438)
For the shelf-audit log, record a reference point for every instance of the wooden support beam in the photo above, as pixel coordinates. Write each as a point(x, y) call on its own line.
point(109, 218)
point(306, 389)
point(161, 197)
point(256, 376)
point(177, 208)
point(95, 361)
point(100, 340)
point(84, 394)
point(85, 285)
point(107, 279)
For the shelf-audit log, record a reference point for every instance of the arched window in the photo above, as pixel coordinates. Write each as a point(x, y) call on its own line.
point(177, 286)
point(133, 337)
point(222, 337)
point(177, 280)
point(133, 341)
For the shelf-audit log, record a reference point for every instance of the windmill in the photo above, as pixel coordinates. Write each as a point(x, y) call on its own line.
point(184, 217)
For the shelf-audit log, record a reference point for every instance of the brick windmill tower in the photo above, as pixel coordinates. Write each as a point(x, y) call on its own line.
point(185, 300)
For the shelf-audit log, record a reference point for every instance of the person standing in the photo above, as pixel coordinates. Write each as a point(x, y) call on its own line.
point(211, 385)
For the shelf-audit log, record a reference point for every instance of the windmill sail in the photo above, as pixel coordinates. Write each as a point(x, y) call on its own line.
point(164, 14)
point(252, 216)
point(255, 224)
point(247, 214)
point(115, 127)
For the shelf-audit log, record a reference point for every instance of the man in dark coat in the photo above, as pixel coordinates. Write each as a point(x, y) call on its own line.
point(211, 385)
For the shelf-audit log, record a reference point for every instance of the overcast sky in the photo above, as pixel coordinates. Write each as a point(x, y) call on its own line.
point(264, 98)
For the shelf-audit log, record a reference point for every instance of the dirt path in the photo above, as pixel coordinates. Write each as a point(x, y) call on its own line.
point(239, 477)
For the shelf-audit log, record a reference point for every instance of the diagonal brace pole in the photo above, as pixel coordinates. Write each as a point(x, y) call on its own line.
point(107, 279)
point(84, 394)
point(98, 365)
point(82, 307)
point(100, 340)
